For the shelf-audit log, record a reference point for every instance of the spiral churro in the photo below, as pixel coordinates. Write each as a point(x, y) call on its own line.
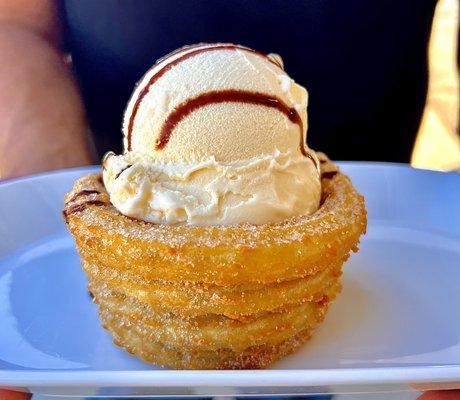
point(217, 239)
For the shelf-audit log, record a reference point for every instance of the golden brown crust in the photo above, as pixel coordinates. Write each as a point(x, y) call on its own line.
point(211, 331)
point(219, 255)
point(238, 296)
point(235, 302)
point(253, 357)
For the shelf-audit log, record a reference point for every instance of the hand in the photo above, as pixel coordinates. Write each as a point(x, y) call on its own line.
point(13, 395)
point(439, 395)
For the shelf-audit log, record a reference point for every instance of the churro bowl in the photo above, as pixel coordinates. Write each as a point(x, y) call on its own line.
point(217, 239)
point(214, 297)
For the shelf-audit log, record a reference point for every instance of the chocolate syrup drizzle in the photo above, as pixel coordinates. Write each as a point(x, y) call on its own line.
point(226, 96)
point(123, 170)
point(82, 193)
point(178, 60)
point(80, 207)
point(329, 174)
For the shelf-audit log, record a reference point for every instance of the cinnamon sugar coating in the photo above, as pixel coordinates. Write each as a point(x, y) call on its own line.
point(238, 296)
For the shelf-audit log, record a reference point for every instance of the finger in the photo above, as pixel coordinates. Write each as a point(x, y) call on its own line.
point(13, 395)
point(440, 395)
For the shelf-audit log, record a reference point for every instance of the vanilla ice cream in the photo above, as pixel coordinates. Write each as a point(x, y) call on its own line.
point(214, 134)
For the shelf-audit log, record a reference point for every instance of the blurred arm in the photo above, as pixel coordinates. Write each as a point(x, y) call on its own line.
point(42, 120)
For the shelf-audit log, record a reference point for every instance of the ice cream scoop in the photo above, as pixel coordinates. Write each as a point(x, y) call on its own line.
point(215, 99)
point(215, 134)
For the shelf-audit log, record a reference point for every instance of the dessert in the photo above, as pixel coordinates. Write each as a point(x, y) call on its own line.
point(217, 239)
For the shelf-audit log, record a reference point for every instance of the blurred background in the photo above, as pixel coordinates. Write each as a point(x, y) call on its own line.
point(364, 64)
point(437, 144)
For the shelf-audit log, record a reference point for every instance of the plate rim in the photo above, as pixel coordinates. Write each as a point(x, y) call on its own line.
point(237, 378)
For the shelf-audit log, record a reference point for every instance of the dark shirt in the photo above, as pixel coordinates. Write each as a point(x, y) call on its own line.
point(363, 62)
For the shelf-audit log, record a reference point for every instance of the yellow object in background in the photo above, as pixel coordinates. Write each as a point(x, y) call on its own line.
point(438, 144)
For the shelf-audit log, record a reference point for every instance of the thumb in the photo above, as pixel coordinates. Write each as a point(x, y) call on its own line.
point(13, 395)
point(440, 395)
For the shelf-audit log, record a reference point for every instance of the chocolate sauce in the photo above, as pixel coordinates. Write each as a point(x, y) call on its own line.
point(226, 96)
point(178, 51)
point(82, 193)
point(323, 199)
point(80, 207)
point(323, 301)
point(123, 170)
point(105, 158)
point(329, 174)
point(306, 154)
point(170, 65)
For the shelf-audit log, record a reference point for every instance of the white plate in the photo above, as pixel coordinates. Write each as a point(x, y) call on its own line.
point(395, 325)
